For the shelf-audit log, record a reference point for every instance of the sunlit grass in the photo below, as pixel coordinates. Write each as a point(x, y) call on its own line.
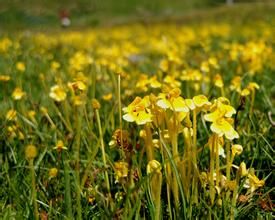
point(138, 121)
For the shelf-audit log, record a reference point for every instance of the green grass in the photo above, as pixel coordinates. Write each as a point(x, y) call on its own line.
point(95, 56)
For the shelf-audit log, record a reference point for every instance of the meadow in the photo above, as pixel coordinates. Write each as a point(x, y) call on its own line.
point(170, 120)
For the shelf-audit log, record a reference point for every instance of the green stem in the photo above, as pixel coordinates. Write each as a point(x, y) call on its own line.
point(194, 160)
point(102, 149)
point(217, 161)
point(34, 194)
point(148, 142)
point(77, 168)
point(252, 103)
point(212, 158)
point(228, 166)
point(234, 198)
point(68, 199)
point(175, 153)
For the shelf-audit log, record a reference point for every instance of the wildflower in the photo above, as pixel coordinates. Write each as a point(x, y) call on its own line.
point(95, 104)
point(220, 118)
point(121, 170)
point(218, 81)
point(138, 111)
point(53, 172)
point(154, 83)
point(30, 152)
point(11, 115)
point(107, 97)
point(236, 149)
point(18, 93)
point(172, 82)
point(119, 136)
point(172, 100)
point(236, 84)
point(153, 167)
point(78, 100)
point(77, 85)
point(252, 182)
point(58, 93)
point(200, 101)
point(20, 66)
point(60, 146)
point(242, 169)
point(55, 65)
point(4, 78)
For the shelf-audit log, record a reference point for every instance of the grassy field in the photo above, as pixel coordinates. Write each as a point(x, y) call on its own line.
point(159, 117)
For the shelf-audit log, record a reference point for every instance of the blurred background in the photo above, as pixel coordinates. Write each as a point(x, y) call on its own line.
point(45, 13)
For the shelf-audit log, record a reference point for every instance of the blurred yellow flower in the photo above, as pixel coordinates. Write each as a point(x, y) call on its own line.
point(218, 81)
point(60, 146)
point(20, 66)
point(58, 93)
point(4, 78)
point(30, 152)
point(18, 93)
point(53, 172)
point(107, 97)
point(253, 182)
point(153, 167)
point(236, 149)
point(11, 115)
point(121, 170)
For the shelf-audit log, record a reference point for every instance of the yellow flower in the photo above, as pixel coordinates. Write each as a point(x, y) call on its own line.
point(53, 172)
point(252, 182)
point(138, 111)
point(95, 104)
point(60, 146)
point(245, 92)
point(236, 84)
point(154, 83)
point(121, 170)
point(20, 66)
point(252, 86)
point(55, 65)
point(30, 152)
point(172, 100)
point(142, 82)
point(18, 93)
point(172, 82)
point(222, 126)
point(11, 115)
point(107, 97)
point(77, 85)
point(200, 101)
point(236, 149)
point(78, 100)
point(205, 67)
point(220, 118)
point(153, 167)
point(218, 81)
point(190, 103)
point(242, 169)
point(58, 93)
point(4, 78)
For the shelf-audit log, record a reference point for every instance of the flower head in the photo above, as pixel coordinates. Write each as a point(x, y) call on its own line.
point(60, 146)
point(172, 100)
point(138, 111)
point(58, 93)
point(18, 93)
